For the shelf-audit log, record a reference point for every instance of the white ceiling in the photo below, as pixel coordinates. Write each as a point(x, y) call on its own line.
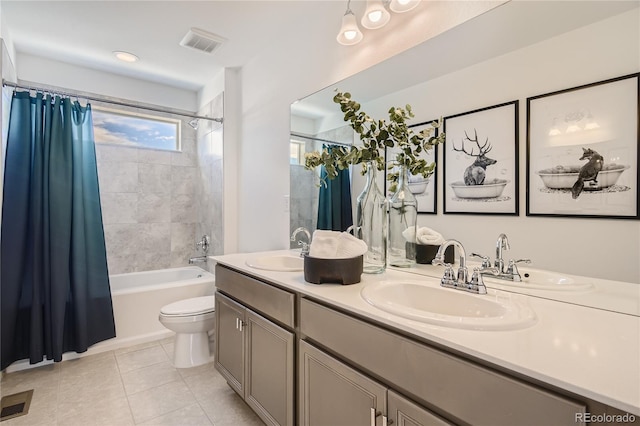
point(86, 32)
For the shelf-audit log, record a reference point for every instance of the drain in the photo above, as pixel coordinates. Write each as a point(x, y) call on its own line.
point(15, 405)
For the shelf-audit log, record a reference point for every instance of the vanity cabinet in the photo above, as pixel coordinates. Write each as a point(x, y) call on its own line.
point(455, 388)
point(255, 354)
point(332, 393)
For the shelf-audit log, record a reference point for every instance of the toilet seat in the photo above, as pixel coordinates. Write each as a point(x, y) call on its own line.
point(189, 307)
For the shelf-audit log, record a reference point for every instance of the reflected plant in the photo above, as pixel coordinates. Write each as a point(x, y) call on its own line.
point(376, 136)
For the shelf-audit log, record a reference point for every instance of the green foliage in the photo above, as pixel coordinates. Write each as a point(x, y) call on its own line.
point(376, 135)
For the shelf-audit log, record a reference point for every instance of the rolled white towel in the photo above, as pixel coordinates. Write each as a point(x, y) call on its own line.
point(350, 246)
point(324, 244)
point(428, 236)
point(409, 234)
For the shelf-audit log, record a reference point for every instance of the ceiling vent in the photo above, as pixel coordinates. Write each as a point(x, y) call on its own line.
point(202, 40)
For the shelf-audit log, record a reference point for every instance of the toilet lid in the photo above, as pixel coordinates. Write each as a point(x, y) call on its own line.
point(194, 306)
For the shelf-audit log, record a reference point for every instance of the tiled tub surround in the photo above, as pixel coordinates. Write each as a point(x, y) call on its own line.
point(589, 352)
point(135, 385)
point(157, 204)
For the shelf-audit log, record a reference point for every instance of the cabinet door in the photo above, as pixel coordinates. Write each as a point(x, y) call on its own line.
point(230, 346)
point(333, 394)
point(270, 363)
point(403, 412)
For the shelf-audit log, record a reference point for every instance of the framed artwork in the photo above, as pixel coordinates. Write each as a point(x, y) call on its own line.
point(425, 190)
point(582, 151)
point(480, 161)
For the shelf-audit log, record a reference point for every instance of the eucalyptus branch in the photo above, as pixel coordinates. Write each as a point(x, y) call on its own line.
point(376, 136)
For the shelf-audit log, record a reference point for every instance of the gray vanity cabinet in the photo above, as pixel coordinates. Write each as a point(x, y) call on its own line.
point(230, 342)
point(333, 394)
point(403, 412)
point(253, 353)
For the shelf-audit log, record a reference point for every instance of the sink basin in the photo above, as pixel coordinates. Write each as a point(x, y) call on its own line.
point(534, 279)
point(277, 263)
point(448, 307)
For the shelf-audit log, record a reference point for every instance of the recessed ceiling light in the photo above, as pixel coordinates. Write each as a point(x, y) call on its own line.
point(125, 56)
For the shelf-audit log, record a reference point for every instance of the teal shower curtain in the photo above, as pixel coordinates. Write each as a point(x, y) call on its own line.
point(334, 202)
point(54, 293)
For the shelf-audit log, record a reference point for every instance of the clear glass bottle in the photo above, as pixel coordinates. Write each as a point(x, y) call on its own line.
point(403, 217)
point(371, 223)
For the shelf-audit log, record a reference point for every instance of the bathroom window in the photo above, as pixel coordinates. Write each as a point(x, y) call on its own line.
point(125, 128)
point(296, 152)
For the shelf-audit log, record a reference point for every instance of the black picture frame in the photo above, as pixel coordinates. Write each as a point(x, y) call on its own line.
point(484, 185)
point(583, 151)
point(426, 193)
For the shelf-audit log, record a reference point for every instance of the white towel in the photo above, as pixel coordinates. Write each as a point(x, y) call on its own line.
point(428, 236)
point(409, 234)
point(350, 246)
point(324, 244)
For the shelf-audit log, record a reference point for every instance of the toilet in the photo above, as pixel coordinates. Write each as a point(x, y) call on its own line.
point(191, 320)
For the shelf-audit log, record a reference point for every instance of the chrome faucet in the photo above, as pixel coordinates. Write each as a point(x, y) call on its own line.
point(461, 281)
point(511, 272)
point(501, 244)
point(203, 244)
point(305, 245)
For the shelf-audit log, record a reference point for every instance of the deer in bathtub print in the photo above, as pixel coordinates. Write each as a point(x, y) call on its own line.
point(476, 172)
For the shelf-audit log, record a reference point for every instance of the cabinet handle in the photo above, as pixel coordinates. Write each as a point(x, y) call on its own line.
point(386, 421)
point(374, 415)
point(237, 323)
point(241, 325)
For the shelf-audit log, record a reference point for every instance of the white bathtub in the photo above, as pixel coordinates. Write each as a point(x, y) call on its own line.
point(138, 296)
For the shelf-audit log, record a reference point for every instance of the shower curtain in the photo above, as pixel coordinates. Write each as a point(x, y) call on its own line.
point(334, 201)
point(54, 289)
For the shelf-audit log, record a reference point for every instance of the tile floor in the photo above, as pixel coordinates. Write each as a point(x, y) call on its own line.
point(130, 386)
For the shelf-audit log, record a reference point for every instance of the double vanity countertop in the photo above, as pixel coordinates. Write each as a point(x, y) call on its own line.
point(588, 351)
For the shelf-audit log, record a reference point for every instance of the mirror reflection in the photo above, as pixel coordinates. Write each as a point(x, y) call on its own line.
point(504, 55)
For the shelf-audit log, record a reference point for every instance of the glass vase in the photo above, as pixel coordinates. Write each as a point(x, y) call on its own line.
point(403, 216)
point(371, 223)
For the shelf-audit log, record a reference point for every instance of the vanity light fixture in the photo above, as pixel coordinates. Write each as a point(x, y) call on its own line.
point(400, 6)
point(125, 56)
point(349, 32)
point(375, 15)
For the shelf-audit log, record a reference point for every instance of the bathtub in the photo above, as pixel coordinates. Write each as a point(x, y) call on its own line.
point(138, 296)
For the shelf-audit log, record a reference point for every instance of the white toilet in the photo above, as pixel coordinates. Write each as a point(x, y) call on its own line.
point(191, 320)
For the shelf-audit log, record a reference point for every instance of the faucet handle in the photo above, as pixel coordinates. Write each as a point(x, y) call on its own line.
point(477, 283)
point(448, 278)
point(512, 269)
point(486, 263)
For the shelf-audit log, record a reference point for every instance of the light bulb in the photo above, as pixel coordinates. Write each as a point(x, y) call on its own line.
point(350, 35)
point(400, 6)
point(349, 32)
point(375, 15)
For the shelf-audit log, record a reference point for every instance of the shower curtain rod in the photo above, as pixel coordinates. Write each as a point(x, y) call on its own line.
point(91, 98)
point(313, 138)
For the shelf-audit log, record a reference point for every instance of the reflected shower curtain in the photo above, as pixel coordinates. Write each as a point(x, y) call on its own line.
point(334, 202)
point(54, 293)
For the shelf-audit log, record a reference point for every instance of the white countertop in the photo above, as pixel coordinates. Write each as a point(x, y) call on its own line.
point(591, 352)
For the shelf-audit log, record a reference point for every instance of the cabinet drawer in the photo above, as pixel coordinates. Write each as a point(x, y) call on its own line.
point(459, 389)
point(273, 302)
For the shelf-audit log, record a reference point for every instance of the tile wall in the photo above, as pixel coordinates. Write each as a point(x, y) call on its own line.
point(157, 204)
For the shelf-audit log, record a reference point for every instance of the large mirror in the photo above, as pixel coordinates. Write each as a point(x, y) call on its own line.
point(518, 50)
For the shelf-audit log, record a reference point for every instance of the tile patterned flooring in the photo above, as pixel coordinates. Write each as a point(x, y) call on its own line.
point(131, 386)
